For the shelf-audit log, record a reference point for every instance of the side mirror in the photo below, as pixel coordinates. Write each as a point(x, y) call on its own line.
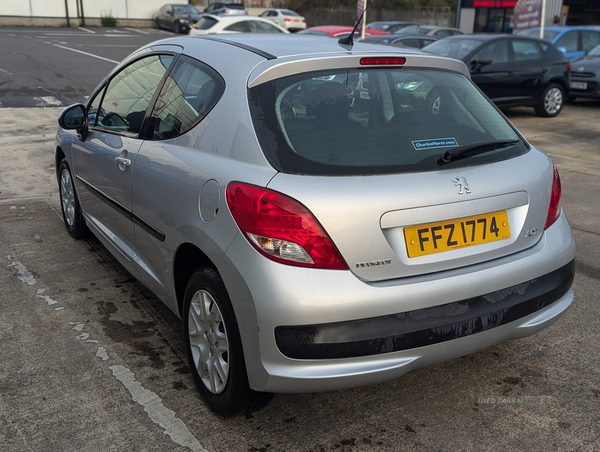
point(475, 64)
point(75, 118)
point(562, 49)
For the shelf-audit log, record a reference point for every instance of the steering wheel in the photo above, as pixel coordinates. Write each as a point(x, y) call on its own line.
point(351, 91)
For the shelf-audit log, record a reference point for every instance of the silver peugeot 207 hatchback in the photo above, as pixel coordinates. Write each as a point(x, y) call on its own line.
point(320, 215)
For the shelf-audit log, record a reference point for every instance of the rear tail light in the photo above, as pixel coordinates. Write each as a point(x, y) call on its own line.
point(281, 228)
point(554, 209)
point(287, 19)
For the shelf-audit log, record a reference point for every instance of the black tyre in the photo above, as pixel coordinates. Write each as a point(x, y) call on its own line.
point(551, 102)
point(177, 27)
point(157, 24)
point(71, 210)
point(214, 347)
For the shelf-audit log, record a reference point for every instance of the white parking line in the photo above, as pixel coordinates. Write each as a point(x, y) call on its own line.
point(160, 414)
point(152, 403)
point(83, 34)
point(6, 72)
point(138, 31)
point(85, 29)
point(49, 100)
point(86, 53)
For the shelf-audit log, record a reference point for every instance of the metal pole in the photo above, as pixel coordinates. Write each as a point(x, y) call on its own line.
point(82, 15)
point(67, 11)
point(543, 19)
point(364, 20)
point(457, 18)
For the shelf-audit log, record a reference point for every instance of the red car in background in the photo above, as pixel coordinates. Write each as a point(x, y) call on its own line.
point(338, 31)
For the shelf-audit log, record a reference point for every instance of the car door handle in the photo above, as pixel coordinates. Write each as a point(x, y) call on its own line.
point(123, 163)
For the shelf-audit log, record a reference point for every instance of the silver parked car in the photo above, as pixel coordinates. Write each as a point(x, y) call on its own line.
point(319, 218)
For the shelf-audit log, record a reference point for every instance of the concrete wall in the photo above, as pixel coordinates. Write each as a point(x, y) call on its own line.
point(54, 12)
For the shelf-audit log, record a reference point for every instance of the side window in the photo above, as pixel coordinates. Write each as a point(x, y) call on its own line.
point(526, 50)
point(410, 42)
point(129, 93)
point(568, 41)
point(241, 27)
point(262, 27)
point(496, 51)
point(589, 39)
point(192, 89)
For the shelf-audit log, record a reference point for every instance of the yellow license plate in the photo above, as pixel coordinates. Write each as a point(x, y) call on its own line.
point(453, 234)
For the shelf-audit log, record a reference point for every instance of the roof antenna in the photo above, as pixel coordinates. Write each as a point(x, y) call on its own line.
point(349, 40)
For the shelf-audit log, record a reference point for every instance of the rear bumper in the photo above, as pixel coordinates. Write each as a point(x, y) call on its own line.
point(314, 375)
point(592, 91)
point(423, 327)
point(344, 329)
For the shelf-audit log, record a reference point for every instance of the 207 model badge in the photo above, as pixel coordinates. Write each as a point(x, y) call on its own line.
point(462, 183)
point(373, 263)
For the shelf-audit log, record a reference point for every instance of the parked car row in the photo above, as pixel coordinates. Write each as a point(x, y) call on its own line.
point(182, 18)
point(512, 70)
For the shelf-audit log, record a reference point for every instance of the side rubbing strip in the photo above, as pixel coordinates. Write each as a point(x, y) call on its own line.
point(156, 233)
point(111, 202)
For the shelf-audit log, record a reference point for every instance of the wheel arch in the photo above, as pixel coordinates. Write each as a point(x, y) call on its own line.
point(186, 261)
point(59, 155)
point(559, 81)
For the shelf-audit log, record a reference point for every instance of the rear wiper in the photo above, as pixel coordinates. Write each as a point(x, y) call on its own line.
point(473, 149)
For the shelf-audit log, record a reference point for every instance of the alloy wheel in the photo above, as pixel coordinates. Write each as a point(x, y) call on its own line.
point(553, 101)
point(67, 197)
point(208, 341)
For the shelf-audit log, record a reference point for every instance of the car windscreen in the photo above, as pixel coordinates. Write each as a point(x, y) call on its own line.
point(376, 121)
point(185, 9)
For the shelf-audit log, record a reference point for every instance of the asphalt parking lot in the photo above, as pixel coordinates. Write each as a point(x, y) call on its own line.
point(91, 361)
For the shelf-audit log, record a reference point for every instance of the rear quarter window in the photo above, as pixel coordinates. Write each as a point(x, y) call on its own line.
point(191, 90)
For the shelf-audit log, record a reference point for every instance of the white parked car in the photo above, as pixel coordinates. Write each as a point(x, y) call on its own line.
point(210, 24)
point(290, 20)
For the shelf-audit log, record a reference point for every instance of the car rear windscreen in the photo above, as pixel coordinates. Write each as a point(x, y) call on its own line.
point(377, 121)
